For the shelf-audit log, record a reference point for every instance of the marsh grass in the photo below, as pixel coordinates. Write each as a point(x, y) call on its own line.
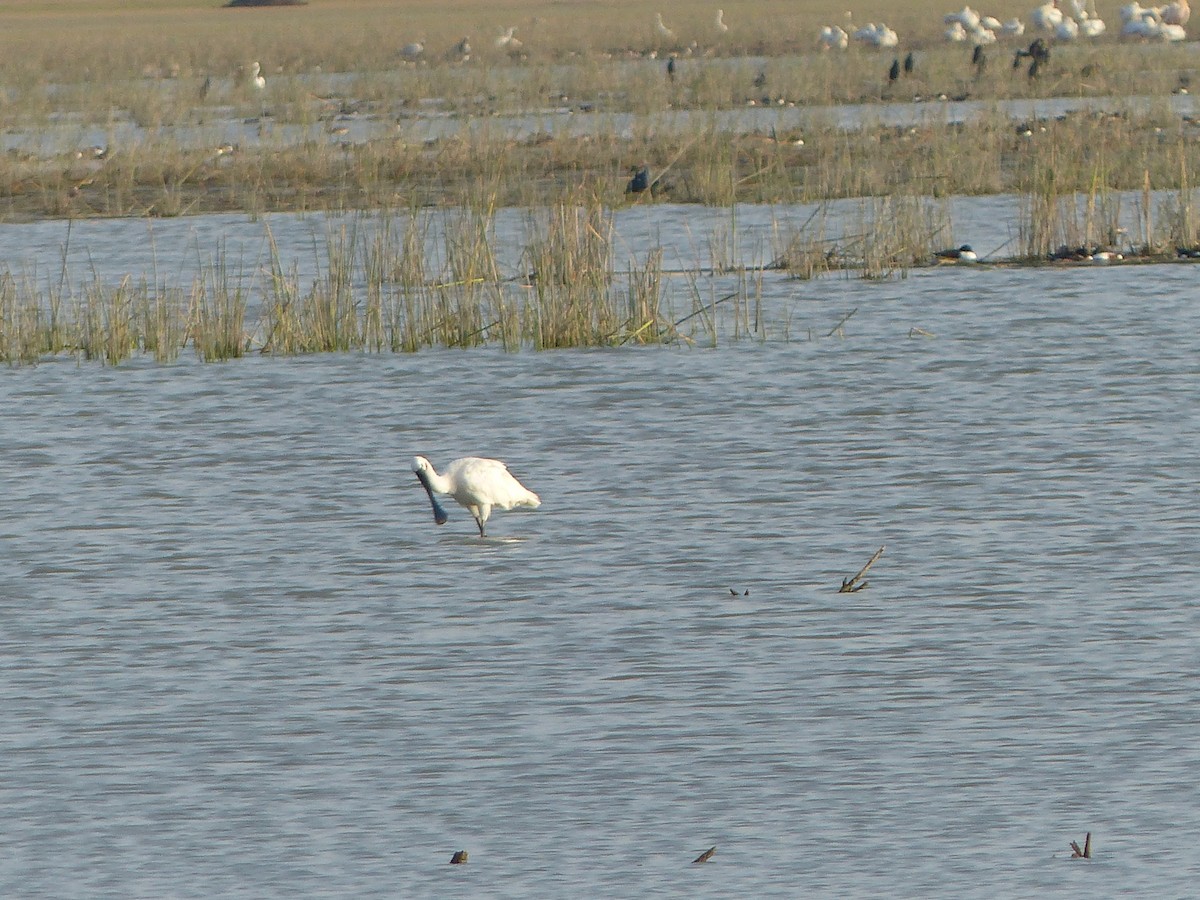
point(109, 66)
point(158, 176)
point(217, 313)
point(570, 260)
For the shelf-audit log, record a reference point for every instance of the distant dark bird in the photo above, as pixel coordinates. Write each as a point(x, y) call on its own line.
point(671, 68)
point(909, 63)
point(760, 80)
point(459, 857)
point(978, 60)
point(206, 87)
point(460, 52)
point(1038, 54)
point(894, 71)
point(963, 254)
point(1081, 253)
point(705, 856)
point(640, 182)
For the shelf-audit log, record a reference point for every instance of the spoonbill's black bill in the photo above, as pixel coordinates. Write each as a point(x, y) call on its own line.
point(439, 512)
point(480, 485)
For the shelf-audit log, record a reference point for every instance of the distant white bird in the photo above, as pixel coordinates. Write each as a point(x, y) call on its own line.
point(508, 40)
point(661, 28)
point(722, 28)
point(966, 17)
point(1092, 27)
point(833, 38)
point(879, 36)
point(256, 80)
point(480, 485)
point(1014, 27)
point(1046, 17)
point(991, 23)
point(1066, 30)
point(1149, 22)
point(956, 34)
point(1176, 13)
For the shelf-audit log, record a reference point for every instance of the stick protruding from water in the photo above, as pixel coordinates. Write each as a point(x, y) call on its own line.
point(855, 584)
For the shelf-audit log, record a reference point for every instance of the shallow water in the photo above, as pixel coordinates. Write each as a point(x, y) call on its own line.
point(430, 121)
point(239, 658)
point(172, 252)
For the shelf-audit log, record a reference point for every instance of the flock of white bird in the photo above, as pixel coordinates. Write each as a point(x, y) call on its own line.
point(1061, 20)
point(1068, 21)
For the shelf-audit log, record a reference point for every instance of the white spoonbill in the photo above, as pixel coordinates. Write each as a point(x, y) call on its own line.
point(478, 484)
point(256, 79)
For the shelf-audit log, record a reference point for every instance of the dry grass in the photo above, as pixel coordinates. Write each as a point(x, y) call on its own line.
point(106, 65)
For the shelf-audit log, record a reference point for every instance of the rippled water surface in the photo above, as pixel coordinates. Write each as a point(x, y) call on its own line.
point(240, 659)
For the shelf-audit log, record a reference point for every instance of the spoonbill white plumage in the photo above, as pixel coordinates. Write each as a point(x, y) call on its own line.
point(722, 28)
point(480, 485)
point(661, 28)
point(256, 78)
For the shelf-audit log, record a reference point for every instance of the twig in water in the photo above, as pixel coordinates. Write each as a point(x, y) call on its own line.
point(841, 322)
point(851, 585)
point(705, 308)
point(920, 332)
point(705, 856)
point(1086, 852)
point(459, 857)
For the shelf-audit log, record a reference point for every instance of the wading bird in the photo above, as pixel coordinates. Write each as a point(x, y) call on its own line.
point(963, 254)
point(639, 182)
point(256, 79)
point(480, 485)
